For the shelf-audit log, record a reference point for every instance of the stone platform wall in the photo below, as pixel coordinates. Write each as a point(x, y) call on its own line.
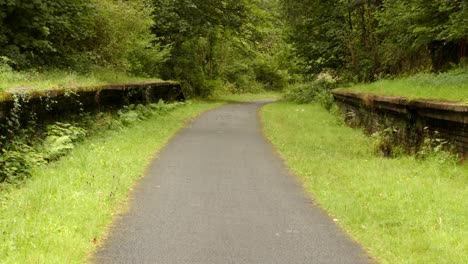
point(22, 106)
point(408, 118)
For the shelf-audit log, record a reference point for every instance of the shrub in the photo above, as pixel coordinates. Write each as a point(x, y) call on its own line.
point(268, 74)
point(303, 93)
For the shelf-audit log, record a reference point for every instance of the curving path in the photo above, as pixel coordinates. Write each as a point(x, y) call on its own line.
point(218, 193)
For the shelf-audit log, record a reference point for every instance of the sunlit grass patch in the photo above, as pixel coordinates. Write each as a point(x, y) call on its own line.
point(402, 210)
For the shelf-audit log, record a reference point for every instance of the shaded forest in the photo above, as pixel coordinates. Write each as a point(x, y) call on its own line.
point(235, 45)
point(369, 39)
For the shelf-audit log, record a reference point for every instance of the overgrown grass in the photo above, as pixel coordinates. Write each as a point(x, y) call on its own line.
point(34, 80)
point(64, 208)
point(402, 210)
point(452, 86)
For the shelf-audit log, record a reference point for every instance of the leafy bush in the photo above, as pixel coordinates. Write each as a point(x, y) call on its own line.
point(123, 37)
point(268, 73)
point(44, 32)
point(78, 34)
point(16, 159)
point(303, 93)
point(318, 90)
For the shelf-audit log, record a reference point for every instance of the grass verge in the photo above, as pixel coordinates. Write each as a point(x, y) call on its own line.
point(450, 86)
point(402, 210)
point(63, 210)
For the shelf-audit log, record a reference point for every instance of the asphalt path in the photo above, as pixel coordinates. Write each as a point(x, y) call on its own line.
point(218, 193)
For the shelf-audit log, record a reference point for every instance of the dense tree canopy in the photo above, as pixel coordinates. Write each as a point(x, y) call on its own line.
point(235, 44)
point(367, 38)
point(203, 43)
point(40, 31)
point(217, 41)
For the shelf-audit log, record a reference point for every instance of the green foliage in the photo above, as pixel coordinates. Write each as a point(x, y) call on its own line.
point(315, 29)
point(16, 161)
point(367, 39)
point(4, 67)
point(268, 73)
point(43, 31)
point(303, 93)
point(432, 147)
point(434, 30)
point(22, 153)
point(60, 139)
point(220, 43)
point(78, 34)
point(61, 79)
point(318, 90)
point(205, 44)
point(123, 38)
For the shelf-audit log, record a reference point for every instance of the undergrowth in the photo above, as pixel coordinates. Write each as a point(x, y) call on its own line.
point(27, 148)
point(318, 90)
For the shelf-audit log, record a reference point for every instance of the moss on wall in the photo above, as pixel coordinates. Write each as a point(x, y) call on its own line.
point(18, 109)
point(408, 118)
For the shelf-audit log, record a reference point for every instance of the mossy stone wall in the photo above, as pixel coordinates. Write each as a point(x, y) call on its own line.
point(408, 118)
point(19, 108)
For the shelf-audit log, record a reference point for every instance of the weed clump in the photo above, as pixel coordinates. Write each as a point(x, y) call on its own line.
point(436, 148)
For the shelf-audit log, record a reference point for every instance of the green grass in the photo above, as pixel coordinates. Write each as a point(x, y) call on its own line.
point(59, 214)
point(65, 208)
point(450, 86)
point(401, 210)
point(33, 80)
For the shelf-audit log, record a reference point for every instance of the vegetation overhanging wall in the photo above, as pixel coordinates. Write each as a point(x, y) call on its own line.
point(19, 108)
point(408, 118)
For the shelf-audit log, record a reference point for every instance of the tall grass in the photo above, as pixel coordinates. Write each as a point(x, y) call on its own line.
point(402, 210)
point(452, 86)
point(35, 80)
